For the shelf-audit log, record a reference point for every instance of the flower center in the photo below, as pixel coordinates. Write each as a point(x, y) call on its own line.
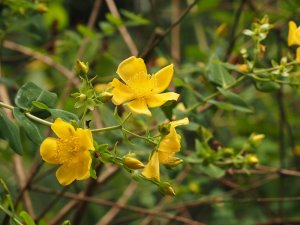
point(68, 148)
point(141, 84)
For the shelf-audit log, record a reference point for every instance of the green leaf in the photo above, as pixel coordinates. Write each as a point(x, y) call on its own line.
point(235, 100)
point(229, 106)
point(135, 19)
point(114, 20)
point(267, 86)
point(27, 218)
point(29, 93)
point(65, 115)
point(212, 170)
point(218, 74)
point(11, 133)
point(28, 126)
point(66, 222)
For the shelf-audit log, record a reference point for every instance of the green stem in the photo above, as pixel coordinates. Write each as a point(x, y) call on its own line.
point(82, 118)
point(30, 116)
point(138, 136)
point(206, 99)
point(257, 71)
point(39, 120)
point(117, 127)
point(3, 105)
point(10, 214)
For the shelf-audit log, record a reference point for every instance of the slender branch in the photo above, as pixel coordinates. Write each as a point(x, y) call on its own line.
point(136, 209)
point(122, 29)
point(149, 48)
point(110, 215)
point(43, 58)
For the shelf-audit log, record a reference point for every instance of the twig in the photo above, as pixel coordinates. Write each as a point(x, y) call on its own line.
point(175, 33)
point(43, 58)
point(109, 172)
point(232, 37)
point(149, 48)
point(122, 29)
point(114, 204)
point(109, 216)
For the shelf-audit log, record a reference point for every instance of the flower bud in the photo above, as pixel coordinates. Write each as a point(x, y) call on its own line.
point(82, 97)
point(167, 189)
point(243, 68)
point(42, 8)
point(133, 163)
point(174, 161)
point(105, 96)
point(252, 159)
point(81, 67)
point(256, 139)
point(161, 61)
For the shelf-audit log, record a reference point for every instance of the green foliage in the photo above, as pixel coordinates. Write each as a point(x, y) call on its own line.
point(10, 131)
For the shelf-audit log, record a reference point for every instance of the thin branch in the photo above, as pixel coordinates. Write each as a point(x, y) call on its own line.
point(110, 215)
point(122, 29)
point(136, 209)
point(149, 48)
point(43, 58)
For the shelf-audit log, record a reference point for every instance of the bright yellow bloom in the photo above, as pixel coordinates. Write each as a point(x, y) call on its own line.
point(70, 149)
point(141, 90)
point(167, 148)
point(294, 34)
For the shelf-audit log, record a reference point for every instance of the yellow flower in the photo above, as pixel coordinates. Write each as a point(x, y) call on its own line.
point(167, 148)
point(141, 90)
point(294, 34)
point(70, 149)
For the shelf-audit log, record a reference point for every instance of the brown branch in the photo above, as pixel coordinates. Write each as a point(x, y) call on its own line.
point(109, 216)
point(109, 172)
point(149, 48)
point(136, 209)
point(175, 33)
point(43, 58)
point(122, 29)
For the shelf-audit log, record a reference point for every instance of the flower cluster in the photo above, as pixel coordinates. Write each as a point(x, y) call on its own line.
point(137, 90)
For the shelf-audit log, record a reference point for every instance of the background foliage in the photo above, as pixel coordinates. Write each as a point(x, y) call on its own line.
point(220, 181)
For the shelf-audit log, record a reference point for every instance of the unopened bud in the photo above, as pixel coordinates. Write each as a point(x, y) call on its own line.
point(81, 67)
point(256, 139)
point(42, 8)
point(167, 189)
point(81, 97)
point(173, 162)
point(252, 159)
point(161, 61)
point(133, 163)
point(243, 68)
point(105, 96)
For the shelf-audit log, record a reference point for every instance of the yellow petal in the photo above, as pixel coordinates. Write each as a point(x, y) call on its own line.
point(163, 78)
point(298, 55)
point(171, 142)
point(292, 29)
point(165, 157)
point(121, 92)
point(130, 67)
point(83, 165)
point(139, 106)
point(151, 170)
point(183, 121)
point(62, 128)
point(85, 139)
point(65, 174)
point(294, 34)
point(48, 151)
point(157, 100)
